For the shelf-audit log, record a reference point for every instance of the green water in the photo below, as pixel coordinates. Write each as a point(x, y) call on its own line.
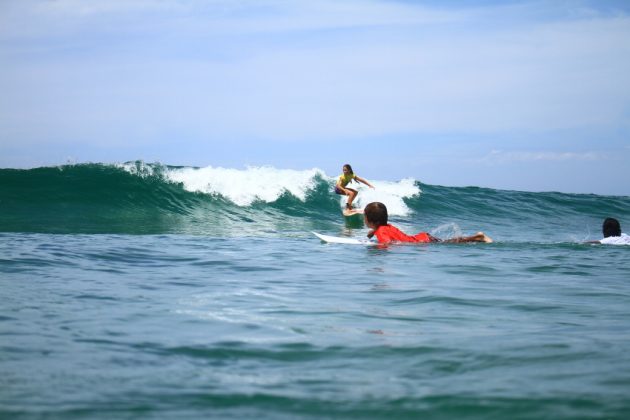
point(146, 300)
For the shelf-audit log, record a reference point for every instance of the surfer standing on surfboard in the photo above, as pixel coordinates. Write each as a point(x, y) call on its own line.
point(344, 179)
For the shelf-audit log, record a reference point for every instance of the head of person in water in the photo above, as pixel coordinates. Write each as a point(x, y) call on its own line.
point(611, 227)
point(347, 168)
point(375, 214)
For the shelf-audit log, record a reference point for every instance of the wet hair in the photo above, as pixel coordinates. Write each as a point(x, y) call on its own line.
point(376, 214)
point(611, 227)
point(347, 166)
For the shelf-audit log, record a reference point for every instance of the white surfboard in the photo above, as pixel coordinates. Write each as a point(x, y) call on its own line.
point(352, 212)
point(340, 240)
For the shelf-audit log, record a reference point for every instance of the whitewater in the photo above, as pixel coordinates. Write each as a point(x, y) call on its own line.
point(141, 290)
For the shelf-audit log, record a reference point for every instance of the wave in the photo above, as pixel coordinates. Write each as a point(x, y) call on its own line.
point(142, 198)
point(136, 197)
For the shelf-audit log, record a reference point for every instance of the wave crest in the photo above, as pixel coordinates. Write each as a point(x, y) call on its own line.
point(243, 187)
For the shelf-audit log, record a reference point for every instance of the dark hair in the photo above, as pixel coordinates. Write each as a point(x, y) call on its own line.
point(611, 227)
point(347, 165)
point(376, 214)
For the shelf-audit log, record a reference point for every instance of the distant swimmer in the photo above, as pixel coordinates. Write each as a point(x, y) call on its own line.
point(344, 179)
point(375, 215)
point(612, 233)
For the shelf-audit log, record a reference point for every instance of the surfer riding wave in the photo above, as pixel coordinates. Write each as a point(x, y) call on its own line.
point(342, 182)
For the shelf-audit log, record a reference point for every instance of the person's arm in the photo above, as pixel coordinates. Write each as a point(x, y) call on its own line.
point(358, 178)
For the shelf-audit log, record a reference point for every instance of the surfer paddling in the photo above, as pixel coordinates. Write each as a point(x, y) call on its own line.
point(375, 215)
point(611, 228)
point(344, 179)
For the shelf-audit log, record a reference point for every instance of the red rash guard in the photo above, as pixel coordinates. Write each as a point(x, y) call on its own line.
point(389, 233)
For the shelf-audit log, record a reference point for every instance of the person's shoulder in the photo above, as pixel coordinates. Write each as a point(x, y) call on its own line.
point(385, 228)
point(391, 229)
point(624, 239)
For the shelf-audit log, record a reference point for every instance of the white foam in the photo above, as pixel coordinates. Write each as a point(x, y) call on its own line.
point(266, 183)
point(389, 193)
point(243, 187)
point(447, 231)
point(138, 168)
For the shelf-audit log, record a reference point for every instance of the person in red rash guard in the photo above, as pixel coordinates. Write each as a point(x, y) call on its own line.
point(375, 215)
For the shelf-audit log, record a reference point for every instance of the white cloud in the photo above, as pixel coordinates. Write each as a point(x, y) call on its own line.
point(325, 70)
point(207, 17)
point(498, 156)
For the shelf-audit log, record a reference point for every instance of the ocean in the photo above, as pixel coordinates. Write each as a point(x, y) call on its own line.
point(150, 291)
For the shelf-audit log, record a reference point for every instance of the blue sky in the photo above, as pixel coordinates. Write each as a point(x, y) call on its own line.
point(526, 95)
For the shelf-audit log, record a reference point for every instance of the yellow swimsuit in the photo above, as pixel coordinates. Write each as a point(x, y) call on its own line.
point(345, 179)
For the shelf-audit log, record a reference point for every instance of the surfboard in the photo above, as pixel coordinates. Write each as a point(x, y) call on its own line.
point(339, 240)
point(352, 212)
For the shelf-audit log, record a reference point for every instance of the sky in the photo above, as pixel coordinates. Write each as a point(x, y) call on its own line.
point(520, 95)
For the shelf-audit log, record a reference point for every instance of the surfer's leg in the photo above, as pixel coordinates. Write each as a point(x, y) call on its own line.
point(480, 237)
point(477, 237)
point(351, 196)
point(486, 238)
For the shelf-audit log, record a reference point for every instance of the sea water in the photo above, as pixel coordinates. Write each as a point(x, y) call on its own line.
point(147, 291)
